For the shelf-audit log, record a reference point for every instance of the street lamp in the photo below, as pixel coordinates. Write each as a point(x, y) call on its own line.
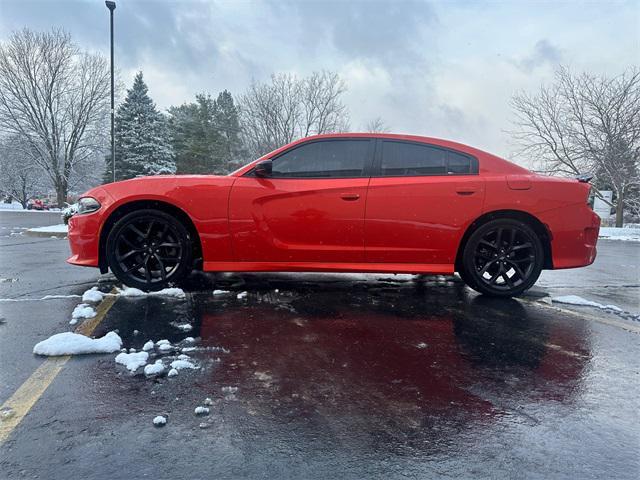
point(112, 6)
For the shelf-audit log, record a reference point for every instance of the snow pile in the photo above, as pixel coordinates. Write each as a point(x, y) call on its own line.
point(154, 368)
point(185, 327)
point(11, 206)
point(164, 345)
point(172, 373)
point(165, 292)
point(576, 300)
point(201, 411)
point(50, 229)
point(82, 311)
point(148, 346)
point(613, 233)
point(68, 343)
point(182, 364)
point(132, 361)
point(93, 295)
point(160, 421)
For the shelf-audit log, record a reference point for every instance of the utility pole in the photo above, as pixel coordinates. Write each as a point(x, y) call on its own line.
point(112, 6)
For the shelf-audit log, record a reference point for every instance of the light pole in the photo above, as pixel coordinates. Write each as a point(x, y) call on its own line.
point(112, 6)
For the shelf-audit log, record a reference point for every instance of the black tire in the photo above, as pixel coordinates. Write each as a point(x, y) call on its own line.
point(502, 258)
point(149, 249)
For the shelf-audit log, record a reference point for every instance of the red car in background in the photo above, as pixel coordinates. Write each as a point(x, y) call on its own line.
point(343, 203)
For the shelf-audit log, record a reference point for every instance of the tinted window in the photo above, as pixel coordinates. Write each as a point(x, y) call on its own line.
point(410, 159)
point(458, 163)
point(335, 158)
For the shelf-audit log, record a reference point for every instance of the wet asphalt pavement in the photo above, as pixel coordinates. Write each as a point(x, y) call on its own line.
point(331, 376)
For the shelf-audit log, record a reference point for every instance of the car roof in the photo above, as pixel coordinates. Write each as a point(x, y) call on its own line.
point(491, 162)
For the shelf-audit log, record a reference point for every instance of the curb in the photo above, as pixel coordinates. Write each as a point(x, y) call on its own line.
point(31, 233)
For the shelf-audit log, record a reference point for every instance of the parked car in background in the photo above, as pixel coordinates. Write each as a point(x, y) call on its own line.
point(343, 203)
point(36, 204)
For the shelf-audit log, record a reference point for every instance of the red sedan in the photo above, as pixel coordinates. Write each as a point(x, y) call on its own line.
point(343, 203)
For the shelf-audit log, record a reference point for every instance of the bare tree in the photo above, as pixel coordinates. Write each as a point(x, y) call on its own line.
point(376, 125)
point(20, 177)
point(55, 97)
point(276, 113)
point(585, 123)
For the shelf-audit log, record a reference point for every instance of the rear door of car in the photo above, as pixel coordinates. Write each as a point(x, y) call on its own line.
point(311, 209)
point(420, 200)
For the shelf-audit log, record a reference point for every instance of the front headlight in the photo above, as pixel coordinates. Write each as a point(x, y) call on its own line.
point(87, 205)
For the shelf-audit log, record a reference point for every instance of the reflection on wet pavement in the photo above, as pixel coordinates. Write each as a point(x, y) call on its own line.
point(385, 375)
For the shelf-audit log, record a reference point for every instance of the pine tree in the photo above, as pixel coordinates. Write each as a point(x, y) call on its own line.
point(205, 135)
point(228, 125)
point(141, 137)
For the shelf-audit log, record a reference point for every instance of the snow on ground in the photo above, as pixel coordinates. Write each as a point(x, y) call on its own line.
point(627, 233)
point(148, 346)
point(172, 373)
point(166, 292)
point(201, 411)
point(182, 364)
point(242, 295)
point(83, 310)
point(220, 292)
point(160, 421)
point(50, 229)
point(68, 343)
point(132, 361)
point(93, 295)
point(576, 300)
point(17, 207)
point(154, 368)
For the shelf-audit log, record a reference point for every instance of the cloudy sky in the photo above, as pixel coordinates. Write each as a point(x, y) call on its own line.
point(443, 68)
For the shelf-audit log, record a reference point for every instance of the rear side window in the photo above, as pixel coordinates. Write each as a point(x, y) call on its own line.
point(411, 159)
point(325, 159)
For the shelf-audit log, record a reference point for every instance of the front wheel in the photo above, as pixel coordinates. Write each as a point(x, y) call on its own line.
point(502, 258)
point(148, 249)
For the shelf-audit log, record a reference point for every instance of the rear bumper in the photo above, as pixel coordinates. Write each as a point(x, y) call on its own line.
point(574, 235)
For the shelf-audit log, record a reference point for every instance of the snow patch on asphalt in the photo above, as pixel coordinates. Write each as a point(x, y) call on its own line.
point(626, 234)
point(153, 369)
point(160, 421)
point(182, 364)
point(68, 343)
point(576, 300)
point(132, 361)
point(93, 295)
point(50, 229)
point(165, 292)
point(83, 311)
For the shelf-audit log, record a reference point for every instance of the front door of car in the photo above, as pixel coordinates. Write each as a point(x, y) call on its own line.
point(311, 207)
point(421, 198)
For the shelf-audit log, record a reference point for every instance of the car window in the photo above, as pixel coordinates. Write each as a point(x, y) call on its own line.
point(324, 159)
point(457, 163)
point(411, 159)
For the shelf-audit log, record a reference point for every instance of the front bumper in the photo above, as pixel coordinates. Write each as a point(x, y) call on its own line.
point(84, 240)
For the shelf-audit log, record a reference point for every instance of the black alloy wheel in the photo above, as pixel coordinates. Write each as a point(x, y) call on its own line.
point(149, 249)
point(502, 258)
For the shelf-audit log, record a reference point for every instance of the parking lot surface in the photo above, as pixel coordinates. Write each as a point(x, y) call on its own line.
point(325, 376)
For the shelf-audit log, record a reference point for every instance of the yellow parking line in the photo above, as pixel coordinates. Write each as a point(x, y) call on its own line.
point(25, 397)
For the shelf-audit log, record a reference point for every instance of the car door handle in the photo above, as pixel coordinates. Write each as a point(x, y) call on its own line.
point(466, 190)
point(349, 197)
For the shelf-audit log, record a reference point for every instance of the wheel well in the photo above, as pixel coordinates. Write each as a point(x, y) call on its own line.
point(525, 217)
point(123, 210)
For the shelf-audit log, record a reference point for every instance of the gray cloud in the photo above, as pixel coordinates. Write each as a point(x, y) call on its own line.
point(543, 53)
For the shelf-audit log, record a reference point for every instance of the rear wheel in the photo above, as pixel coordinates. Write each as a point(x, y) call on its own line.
point(148, 249)
point(502, 258)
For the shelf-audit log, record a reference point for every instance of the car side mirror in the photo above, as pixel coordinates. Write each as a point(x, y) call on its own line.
point(264, 169)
